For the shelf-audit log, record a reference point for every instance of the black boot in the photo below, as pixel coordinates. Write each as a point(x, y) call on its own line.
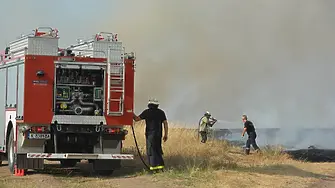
point(247, 151)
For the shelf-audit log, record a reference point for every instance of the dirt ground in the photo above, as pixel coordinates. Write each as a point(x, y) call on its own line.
point(325, 183)
point(302, 175)
point(80, 177)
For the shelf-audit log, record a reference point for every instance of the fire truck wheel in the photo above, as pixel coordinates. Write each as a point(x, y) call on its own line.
point(10, 153)
point(68, 163)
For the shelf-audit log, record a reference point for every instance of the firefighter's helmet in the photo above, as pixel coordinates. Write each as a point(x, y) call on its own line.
point(207, 114)
point(153, 101)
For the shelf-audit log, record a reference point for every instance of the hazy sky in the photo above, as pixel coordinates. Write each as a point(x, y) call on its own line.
point(273, 60)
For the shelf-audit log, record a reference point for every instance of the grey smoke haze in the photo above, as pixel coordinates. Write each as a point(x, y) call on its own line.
point(272, 60)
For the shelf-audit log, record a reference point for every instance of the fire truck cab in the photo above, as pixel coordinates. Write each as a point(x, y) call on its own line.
point(65, 104)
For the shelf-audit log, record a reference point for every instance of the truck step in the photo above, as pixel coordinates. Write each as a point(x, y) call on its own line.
point(79, 156)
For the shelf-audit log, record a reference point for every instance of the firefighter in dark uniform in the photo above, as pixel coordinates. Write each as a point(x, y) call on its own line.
point(154, 118)
point(250, 129)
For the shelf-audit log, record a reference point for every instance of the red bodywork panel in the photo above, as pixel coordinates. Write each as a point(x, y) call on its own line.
point(38, 97)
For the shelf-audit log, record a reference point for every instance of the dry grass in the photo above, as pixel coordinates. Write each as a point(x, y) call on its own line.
point(184, 152)
point(189, 164)
point(207, 164)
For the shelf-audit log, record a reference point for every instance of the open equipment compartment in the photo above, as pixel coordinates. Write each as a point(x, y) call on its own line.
point(79, 90)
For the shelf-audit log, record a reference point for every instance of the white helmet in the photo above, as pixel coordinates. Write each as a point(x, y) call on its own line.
point(153, 101)
point(207, 113)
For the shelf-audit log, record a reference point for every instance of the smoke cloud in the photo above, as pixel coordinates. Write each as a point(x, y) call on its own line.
point(269, 59)
point(272, 60)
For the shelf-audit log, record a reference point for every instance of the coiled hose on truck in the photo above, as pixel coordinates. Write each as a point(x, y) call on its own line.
point(138, 149)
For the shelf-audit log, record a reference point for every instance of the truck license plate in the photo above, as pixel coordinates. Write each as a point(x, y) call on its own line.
point(38, 136)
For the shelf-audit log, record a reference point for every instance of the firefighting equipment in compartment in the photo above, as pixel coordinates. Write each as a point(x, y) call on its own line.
point(63, 106)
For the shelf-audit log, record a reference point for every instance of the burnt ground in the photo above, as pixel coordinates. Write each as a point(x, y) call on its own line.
point(269, 136)
point(312, 155)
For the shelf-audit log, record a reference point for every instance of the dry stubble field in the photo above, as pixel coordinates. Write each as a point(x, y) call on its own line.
point(189, 164)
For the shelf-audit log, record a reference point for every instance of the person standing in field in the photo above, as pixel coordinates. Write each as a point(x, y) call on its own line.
point(250, 129)
point(154, 118)
point(205, 123)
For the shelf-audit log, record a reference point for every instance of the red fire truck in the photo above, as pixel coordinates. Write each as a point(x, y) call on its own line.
point(67, 104)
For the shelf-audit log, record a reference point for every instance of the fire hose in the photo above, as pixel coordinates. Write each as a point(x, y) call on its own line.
point(138, 149)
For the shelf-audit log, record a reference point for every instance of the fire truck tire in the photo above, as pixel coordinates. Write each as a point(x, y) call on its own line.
point(10, 153)
point(68, 163)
